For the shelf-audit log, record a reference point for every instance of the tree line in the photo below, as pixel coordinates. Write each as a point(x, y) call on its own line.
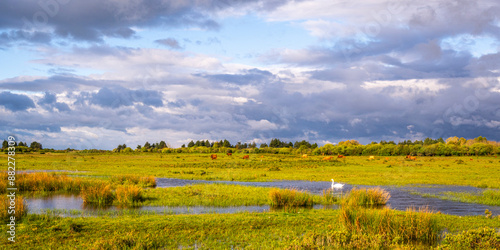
point(428, 147)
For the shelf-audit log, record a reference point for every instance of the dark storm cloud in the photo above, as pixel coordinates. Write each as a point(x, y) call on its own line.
point(119, 96)
point(15, 102)
point(93, 20)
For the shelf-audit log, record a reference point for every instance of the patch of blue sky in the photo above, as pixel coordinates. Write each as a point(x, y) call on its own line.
point(475, 45)
point(14, 64)
point(241, 39)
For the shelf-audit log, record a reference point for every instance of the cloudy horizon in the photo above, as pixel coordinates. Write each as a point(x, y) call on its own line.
point(95, 74)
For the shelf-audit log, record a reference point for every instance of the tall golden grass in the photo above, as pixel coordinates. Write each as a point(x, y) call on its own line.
point(100, 194)
point(366, 197)
point(143, 181)
point(411, 226)
point(290, 198)
point(21, 209)
point(129, 194)
point(44, 182)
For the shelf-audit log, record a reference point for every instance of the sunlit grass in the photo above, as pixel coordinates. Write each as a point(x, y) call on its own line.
point(12, 208)
point(481, 172)
point(487, 197)
point(273, 230)
point(143, 181)
point(482, 238)
point(128, 194)
point(365, 197)
point(101, 194)
point(411, 226)
point(290, 198)
point(221, 195)
point(45, 182)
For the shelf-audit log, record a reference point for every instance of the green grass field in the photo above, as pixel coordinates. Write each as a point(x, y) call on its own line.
point(465, 171)
point(351, 227)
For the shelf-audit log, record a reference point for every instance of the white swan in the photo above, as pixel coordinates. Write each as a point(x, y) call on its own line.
point(337, 186)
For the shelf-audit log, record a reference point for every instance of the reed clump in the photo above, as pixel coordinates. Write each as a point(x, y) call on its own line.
point(7, 205)
point(329, 196)
point(100, 194)
point(45, 182)
point(129, 194)
point(410, 227)
point(142, 181)
point(366, 197)
point(290, 198)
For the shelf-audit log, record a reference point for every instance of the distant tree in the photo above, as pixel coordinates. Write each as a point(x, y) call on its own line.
point(314, 146)
point(183, 146)
point(207, 144)
point(147, 145)
point(36, 146)
point(191, 144)
point(480, 139)
point(5, 144)
point(263, 145)
point(21, 144)
point(139, 146)
point(226, 144)
point(252, 145)
point(163, 144)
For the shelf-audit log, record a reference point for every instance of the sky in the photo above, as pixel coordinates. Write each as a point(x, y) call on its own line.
point(99, 73)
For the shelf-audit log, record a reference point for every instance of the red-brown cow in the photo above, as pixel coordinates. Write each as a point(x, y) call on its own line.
point(214, 156)
point(246, 157)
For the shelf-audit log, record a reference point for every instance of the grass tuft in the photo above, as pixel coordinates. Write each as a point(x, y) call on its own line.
point(129, 194)
point(144, 181)
point(21, 208)
point(411, 226)
point(98, 194)
point(366, 197)
point(290, 198)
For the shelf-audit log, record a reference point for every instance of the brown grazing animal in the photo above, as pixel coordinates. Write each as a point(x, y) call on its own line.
point(214, 156)
point(327, 158)
point(304, 156)
point(246, 156)
point(229, 154)
point(340, 156)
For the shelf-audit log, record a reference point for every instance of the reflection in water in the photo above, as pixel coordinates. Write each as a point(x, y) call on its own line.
point(401, 199)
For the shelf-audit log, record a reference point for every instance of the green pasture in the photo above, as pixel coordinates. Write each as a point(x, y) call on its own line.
point(394, 170)
point(355, 225)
